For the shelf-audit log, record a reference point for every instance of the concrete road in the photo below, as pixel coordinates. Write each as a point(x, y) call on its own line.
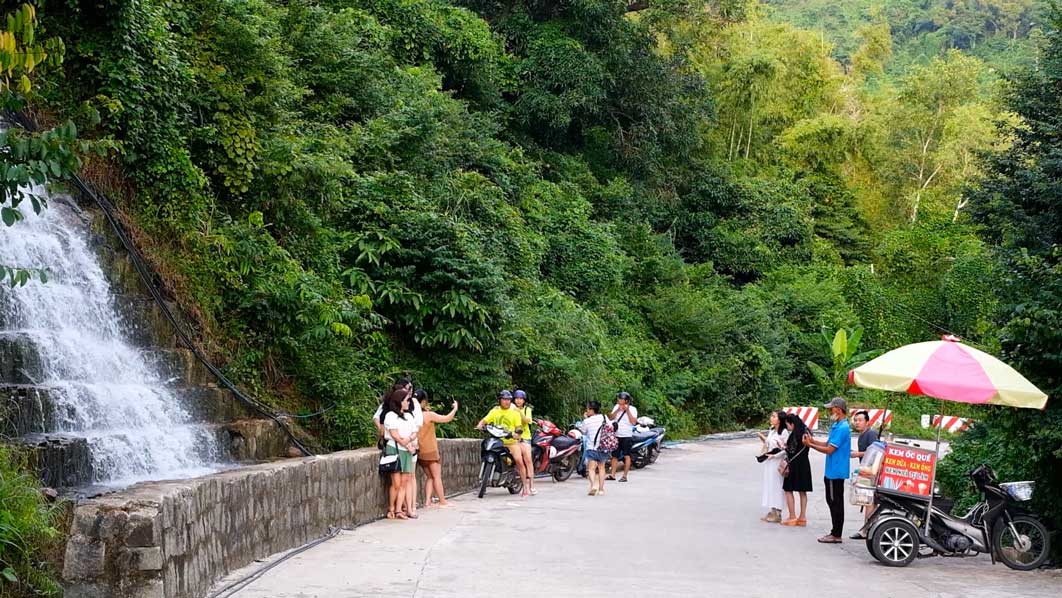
point(687, 526)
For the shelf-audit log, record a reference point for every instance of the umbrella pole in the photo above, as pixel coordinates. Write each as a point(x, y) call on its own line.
point(881, 426)
point(933, 474)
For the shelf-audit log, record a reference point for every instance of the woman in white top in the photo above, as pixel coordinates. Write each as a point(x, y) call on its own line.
point(400, 432)
point(404, 385)
point(593, 419)
point(773, 450)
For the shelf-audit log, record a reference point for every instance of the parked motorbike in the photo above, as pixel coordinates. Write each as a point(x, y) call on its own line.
point(648, 437)
point(554, 452)
point(896, 533)
point(498, 468)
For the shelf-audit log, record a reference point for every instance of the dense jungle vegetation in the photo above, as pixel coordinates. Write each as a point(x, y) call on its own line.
point(672, 197)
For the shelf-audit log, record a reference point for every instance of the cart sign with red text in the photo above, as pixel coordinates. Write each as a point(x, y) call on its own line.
point(907, 469)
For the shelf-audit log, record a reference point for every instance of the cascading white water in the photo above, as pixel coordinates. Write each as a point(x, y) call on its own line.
point(103, 389)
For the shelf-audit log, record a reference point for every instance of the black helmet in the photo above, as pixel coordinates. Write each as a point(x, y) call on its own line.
point(624, 396)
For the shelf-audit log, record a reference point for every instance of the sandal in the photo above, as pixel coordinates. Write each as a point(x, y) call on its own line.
point(593, 492)
point(610, 478)
point(623, 479)
point(790, 523)
point(390, 514)
point(802, 522)
point(400, 515)
point(829, 540)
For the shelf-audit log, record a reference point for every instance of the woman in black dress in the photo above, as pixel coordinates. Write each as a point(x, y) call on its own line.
point(799, 478)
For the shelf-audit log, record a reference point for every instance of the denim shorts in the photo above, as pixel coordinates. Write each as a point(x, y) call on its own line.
point(599, 456)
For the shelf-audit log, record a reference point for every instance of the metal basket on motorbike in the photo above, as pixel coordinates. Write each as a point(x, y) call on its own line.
point(860, 496)
point(1019, 491)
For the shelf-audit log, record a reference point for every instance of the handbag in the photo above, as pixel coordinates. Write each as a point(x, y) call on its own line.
point(783, 467)
point(389, 463)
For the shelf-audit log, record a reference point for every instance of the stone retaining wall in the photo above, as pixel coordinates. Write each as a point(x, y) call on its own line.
point(174, 539)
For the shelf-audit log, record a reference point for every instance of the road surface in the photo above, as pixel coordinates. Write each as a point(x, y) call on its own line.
point(687, 526)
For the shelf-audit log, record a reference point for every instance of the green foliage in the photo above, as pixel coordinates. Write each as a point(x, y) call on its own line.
point(569, 197)
point(26, 532)
point(1018, 214)
point(840, 354)
point(28, 161)
point(745, 227)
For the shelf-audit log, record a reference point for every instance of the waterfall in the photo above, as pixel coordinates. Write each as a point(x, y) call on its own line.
point(101, 387)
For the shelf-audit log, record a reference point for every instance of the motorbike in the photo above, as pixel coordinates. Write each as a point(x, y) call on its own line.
point(896, 532)
point(647, 440)
point(554, 452)
point(498, 468)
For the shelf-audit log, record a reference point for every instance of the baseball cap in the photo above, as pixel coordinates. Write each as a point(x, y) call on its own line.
point(837, 402)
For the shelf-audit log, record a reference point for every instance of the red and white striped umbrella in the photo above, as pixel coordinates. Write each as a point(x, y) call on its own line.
point(949, 370)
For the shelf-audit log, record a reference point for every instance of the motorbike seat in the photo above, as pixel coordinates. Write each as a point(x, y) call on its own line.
point(563, 442)
point(539, 438)
point(643, 436)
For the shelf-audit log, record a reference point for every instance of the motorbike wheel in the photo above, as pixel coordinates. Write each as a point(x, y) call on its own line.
point(562, 474)
point(654, 452)
point(1026, 551)
point(640, 459)
point(488, 471)
point(517, 486)
point(894, 543)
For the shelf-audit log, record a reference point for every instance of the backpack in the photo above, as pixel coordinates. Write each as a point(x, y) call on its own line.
point(606, 436)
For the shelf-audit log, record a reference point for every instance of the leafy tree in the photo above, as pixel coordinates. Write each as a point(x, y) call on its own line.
point(934, 130)
point(768, 77)
point(1017, 204)
point(841, 353)
point(30, 160)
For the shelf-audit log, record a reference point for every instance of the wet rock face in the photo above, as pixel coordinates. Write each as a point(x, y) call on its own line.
point(60, 460)
point(174, 539)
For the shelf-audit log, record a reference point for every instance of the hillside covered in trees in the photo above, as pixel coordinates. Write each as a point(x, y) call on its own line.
point(574, 197)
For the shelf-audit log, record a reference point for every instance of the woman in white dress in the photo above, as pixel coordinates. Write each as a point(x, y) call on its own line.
point(773, 450)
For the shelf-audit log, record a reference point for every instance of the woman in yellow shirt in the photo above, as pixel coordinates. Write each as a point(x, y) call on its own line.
point(507, 418)
point(524, 446)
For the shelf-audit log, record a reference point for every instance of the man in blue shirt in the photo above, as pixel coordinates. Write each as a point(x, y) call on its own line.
point(838, 449)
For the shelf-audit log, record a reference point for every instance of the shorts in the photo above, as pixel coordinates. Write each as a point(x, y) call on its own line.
point(624, 449)
point(599, 456)
point(526, 440)
point(406, 460)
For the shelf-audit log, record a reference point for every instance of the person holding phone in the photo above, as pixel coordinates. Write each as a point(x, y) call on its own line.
point(838, 451)
point(798, 471)
point(625, 416)
point(591, 425)
point(430, 459)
